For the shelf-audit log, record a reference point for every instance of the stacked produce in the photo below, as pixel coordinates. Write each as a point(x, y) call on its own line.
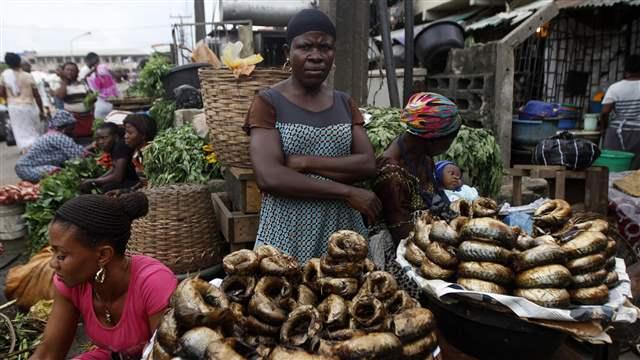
point(432, 248)
point(584, 245)
point(485, 250)
point(570, 261)
point(267, 307)
point(22, 192)
point(541, 275)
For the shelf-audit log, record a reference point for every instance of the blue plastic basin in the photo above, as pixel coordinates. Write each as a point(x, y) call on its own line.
point(531, 132)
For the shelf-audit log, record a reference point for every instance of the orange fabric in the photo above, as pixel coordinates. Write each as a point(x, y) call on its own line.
point(31, 282)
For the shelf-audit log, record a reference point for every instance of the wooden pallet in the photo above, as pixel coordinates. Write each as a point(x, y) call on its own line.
point(242, 189)
point(238, 229)
point(596, 183)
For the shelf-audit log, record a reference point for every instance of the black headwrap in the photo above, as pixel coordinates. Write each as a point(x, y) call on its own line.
point(309, 20)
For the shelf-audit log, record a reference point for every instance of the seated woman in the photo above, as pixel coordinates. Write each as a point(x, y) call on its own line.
point(120, 298)
point(405, 182)
point(139, 131)
point(449, 179)
point(121, 173)
point(51, 150)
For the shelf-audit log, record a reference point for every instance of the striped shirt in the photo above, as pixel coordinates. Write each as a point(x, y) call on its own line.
point(625, 97)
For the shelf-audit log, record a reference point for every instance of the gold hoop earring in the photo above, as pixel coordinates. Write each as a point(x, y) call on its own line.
point(287, 66)
point(100, 275)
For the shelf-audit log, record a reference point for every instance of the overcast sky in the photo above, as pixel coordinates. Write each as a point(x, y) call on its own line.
point(50, 25)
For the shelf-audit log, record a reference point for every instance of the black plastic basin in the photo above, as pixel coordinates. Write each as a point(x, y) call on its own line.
point(433, 43)
point(182, 75)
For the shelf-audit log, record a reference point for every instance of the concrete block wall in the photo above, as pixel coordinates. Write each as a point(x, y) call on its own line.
point(482, 91)
point(473, 93)
point(468, 80)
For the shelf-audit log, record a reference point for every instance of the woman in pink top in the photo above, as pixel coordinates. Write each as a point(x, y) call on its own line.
point(121, 299)
point(101, 81)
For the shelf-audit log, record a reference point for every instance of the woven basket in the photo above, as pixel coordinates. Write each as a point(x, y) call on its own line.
point(180, 229)
point(226, 103)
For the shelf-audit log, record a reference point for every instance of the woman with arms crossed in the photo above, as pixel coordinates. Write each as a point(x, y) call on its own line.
point(308, 146)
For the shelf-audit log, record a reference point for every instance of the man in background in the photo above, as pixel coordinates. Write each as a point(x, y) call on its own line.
point(622, 130)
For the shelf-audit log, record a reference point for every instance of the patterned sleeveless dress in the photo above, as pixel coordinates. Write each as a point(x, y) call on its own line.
point(301, 227)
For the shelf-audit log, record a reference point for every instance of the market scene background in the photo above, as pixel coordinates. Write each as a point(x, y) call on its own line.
point(320, 179)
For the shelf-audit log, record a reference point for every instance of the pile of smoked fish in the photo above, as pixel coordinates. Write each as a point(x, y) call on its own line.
point(571, 260)
point(268, 307)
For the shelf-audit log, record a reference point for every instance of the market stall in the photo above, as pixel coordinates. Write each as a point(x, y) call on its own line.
point(269, 306)
point(563, 279)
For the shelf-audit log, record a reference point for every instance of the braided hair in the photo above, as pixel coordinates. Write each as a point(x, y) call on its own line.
point(104, 219)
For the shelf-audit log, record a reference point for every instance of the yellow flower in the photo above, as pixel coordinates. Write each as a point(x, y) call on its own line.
point(212, 158)
point(207, 148)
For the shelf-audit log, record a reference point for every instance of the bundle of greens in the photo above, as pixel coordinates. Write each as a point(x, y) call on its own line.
point(384, 127)
point(55, 190)
point(149, 82)
point(179, 155)
point(90, 99)
point(162, 113)
point(478, 154)
point(25, 335)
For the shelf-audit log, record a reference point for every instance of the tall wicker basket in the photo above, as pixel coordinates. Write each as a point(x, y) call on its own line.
point(180, 229)
point(226, 102)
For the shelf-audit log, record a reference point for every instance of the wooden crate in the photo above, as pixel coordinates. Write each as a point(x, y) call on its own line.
point(595, 180)
point(241, 187)
point(236, 227)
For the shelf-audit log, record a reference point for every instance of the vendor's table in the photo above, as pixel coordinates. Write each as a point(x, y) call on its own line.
point(596, 182)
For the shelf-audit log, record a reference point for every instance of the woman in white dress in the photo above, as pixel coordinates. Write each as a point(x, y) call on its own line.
point(23, 100)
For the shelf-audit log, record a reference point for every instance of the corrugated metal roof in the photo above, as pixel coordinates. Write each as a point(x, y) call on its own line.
point(567, 4)
point(512, 17)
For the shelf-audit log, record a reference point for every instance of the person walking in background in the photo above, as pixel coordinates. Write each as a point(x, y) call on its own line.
point(623, 100)
point(41, 85)
point(101, 81)
point(55, 81)
point(23, 100)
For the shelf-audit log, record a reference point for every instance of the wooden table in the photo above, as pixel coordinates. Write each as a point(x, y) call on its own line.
point(596, 185)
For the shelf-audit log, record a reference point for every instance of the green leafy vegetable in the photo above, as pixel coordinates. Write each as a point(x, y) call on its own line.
point(384, 127)
point(55, 190)
point(97, 122)
point(179, 155)
point(162, 113)
point(149, 83)
point(90, 99)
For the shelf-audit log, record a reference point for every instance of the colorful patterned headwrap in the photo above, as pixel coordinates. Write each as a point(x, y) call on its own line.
point(430, 116)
